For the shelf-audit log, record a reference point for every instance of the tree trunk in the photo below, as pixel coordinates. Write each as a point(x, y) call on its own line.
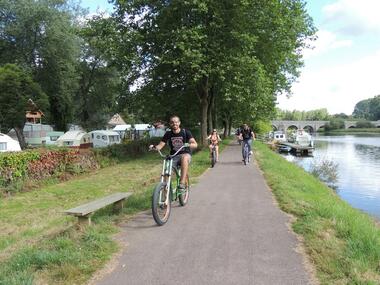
point(225, 128)
point(214, 111)
point(229, 125)
point(210, 110)
point(20, 137)
point(203, 97)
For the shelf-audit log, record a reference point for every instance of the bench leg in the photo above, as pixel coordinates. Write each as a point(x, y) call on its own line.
point(84, 221)
point(118, 206)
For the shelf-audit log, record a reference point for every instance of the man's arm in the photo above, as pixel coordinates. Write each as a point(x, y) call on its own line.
point(160, 145)
point(192, 143)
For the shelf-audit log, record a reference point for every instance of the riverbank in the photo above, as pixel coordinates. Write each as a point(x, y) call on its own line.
point(343, 243)
point(40, 245)
point(353, 131)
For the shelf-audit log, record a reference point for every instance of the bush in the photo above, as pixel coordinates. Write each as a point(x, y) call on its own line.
point(127, 149)
point(363, 124)
point(17, 168)
point(326, 171)
point(335, 124)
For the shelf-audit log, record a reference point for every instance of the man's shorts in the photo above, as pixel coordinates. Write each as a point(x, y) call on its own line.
point(177, 159)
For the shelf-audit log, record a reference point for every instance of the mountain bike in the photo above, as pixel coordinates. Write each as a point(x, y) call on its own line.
point(246, 153)
point(166, 192)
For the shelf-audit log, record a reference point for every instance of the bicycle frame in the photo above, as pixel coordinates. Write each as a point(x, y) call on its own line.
point(166, 176)
point(246, 153)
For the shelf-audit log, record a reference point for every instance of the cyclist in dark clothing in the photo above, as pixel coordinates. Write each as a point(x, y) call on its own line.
point(176, 138)
point(246, 135)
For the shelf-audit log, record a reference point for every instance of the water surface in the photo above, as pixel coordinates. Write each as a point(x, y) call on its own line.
point(358, 159)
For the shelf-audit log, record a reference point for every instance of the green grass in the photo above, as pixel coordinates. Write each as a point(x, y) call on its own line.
point(39, 244)
point(343, 243)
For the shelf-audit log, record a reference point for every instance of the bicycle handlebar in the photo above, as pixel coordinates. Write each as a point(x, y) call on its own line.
point(173, 155)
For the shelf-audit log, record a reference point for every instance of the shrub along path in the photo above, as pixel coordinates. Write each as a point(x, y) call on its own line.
point(231, 232)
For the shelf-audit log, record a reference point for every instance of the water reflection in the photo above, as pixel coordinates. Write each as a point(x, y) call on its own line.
point(358, 159)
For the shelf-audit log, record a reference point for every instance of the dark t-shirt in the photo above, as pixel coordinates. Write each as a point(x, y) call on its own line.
point(247, 134)
point(175, 141)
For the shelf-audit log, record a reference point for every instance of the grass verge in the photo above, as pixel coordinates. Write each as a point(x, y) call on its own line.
point(40, 245)
point(342, 242)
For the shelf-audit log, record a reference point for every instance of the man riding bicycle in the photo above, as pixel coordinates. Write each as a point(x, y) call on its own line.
point(214, 141)
point(246, 135)
point(176, 138)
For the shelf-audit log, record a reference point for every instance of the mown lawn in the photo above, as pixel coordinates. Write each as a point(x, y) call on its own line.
point(41, 245)
point(343, 243)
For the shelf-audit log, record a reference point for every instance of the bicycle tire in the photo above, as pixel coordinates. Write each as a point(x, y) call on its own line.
point(245, 154)
point(213, 158)
point(157, 206)
point(184, 197)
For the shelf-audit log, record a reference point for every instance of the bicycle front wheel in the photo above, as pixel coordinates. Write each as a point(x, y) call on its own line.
point(161, 204)
point(213, 158)
point(184, 197)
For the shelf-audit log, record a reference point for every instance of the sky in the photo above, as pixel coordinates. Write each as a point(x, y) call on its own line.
point(343, 66)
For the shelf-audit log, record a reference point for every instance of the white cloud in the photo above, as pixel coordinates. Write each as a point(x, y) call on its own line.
point(354, 17)
point(337, 88)
point(326, 41)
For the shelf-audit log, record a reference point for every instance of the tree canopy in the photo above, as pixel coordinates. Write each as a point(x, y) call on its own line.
point(212, 62)
point(368, 109)
point(231, 55)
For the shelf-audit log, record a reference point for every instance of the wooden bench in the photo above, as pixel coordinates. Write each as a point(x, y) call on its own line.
point(85, 211)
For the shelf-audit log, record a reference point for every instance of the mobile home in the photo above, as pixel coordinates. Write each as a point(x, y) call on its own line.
point(104, 138)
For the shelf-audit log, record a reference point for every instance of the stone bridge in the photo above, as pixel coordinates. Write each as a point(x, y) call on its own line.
point(312, 126)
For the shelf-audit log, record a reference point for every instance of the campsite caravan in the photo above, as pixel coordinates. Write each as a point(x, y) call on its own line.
point(103, 138)
point(8, 144)
point(51, 138)
point(75, 139)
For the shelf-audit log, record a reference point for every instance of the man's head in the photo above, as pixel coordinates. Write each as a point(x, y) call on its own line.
point(245, 126)
point(174, 122)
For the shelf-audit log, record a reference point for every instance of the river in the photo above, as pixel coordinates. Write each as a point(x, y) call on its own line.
point(358, 166)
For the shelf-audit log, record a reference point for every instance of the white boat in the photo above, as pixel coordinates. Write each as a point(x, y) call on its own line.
point(301, 138)
point(277, 136)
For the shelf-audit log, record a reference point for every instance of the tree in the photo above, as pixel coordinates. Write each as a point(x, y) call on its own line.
point(99, 77)
point(41, 37)
point(221, 51)
point(368, 109)
point(16, 88)
point(361, 109)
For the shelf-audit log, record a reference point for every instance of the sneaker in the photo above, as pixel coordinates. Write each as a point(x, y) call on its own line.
point(182, 188)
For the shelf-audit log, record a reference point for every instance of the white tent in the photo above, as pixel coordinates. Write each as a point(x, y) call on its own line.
point(75, 139)
point(8, 144)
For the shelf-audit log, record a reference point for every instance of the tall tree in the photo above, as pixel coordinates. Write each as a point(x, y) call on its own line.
point(16, 88)
point(196, 45)
point(41, 36)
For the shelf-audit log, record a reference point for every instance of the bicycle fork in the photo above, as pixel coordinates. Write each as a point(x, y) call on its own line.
point(166, 177)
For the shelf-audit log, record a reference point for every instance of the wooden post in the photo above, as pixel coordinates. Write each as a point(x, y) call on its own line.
point(84, 221)
point(118, 206)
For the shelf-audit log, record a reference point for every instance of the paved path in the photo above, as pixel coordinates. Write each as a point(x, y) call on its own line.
point(231, 232)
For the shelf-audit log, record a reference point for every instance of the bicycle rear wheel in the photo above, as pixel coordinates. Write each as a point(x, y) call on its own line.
point(161, 204)
point(184, 197)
